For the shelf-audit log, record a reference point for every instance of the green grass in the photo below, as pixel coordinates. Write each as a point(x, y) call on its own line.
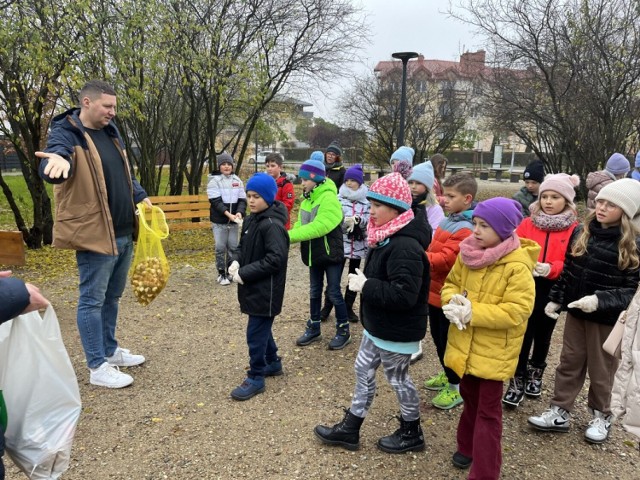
point(22, 197)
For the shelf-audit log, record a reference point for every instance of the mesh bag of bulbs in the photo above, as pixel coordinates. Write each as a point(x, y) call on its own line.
point(150, 269)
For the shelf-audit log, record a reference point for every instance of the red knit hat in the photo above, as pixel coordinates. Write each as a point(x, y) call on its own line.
point(392, 190)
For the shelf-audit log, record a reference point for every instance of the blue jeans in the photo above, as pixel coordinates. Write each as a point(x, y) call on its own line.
point(333, 273)
point(225, 236)
point(102, 281)
point(262, 347)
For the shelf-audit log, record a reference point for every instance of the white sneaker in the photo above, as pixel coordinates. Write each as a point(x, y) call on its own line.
point(598, 429)
point(124, 358)
point(555, 419)
point(109, 376)
point(220, 278)
point(225, 281)
point(418, 355)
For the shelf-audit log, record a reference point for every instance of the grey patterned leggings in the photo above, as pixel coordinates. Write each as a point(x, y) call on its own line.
point(396, 369)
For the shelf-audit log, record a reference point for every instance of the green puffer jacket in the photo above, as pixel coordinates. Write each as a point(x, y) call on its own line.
point(319, 226)
point(525, 198)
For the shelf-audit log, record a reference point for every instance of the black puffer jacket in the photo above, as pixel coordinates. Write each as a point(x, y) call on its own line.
point(393, 304)
point(264, 251)
point(336, 172)
point(596, 272)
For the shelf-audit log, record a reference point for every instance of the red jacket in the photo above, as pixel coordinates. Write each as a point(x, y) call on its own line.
point(286, 195)
point(443, 251)
point(554, 244)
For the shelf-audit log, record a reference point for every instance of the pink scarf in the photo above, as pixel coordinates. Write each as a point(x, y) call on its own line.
point(379, 234)
point(476, 257)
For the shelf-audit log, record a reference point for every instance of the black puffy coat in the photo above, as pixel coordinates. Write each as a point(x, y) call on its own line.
point(264, 252)
point(393, 303)
point(596, 272)
point(336, 172)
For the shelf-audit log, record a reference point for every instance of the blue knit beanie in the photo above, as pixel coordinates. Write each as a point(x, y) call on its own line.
point(403, 153)
point(354, 173)
point(264, 185)
point(423, 173)
point(617, 164)
point(313, 169)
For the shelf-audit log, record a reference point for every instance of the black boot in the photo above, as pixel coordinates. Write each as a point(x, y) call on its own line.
point(326, 309)
point(533, 386)
point(408, 438)
point(346, 433)
point(349, 298)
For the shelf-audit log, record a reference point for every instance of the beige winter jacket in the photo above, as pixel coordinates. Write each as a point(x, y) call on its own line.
point(625, 394)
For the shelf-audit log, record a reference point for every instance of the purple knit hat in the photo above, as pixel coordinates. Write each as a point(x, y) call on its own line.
point(502, 214)
point(355, 173)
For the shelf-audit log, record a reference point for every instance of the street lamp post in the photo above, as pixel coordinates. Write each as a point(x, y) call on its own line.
point(404, 56)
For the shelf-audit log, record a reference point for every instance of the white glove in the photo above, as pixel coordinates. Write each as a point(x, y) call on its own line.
point(233, 268)
point(587, 304)
point(458, 311)
point(236, 278)
point(238, 220)
point(349, 223)
point(551, 310)
point(356, 281)
point(542, 269)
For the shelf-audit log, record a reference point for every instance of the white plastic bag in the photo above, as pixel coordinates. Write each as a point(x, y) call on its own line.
point(41, 394)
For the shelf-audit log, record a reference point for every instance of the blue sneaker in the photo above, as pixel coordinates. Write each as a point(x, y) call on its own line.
point(342, 338)
point(249, 388)
point(273, 369)
point(310, 335)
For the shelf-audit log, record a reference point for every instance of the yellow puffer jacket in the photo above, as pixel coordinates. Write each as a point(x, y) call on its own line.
point(502, 297)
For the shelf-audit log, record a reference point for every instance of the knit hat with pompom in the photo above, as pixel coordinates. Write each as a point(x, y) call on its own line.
point(562, 183)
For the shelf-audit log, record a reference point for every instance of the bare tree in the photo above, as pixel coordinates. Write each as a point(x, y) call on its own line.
point(435, 116)
point(566, 77)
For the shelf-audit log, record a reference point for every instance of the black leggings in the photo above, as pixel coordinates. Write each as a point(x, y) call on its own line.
point(539, 332)
point(439, 326)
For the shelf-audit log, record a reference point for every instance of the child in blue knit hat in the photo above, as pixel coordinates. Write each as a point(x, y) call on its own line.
point(635, 174)
point(355, 208)
point(260, 272)
point(616, 168)
point(319, 231)
point(425, 208)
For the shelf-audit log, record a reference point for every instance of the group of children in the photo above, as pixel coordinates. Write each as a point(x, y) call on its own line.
point(491, 284)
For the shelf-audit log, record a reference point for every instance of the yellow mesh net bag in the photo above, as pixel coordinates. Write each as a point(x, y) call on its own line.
point(150, 269)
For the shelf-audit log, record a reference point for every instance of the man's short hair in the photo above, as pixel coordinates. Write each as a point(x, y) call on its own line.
point(464, 183)
point(94, 88)
point(274, 157)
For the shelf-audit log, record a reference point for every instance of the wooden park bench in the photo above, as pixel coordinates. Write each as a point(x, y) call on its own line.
point(184, 212)
point(12, 248)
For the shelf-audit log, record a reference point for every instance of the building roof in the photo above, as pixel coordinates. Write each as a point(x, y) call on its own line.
point(471, 64)
point(291, 100)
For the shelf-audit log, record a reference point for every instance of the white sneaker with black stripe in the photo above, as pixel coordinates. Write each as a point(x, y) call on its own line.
point(598, 429)
point(555, 419)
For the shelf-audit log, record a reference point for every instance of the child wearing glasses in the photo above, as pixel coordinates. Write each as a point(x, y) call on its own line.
point(599, 279)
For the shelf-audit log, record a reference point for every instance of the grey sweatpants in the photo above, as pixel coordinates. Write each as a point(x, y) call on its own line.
point(396, 369)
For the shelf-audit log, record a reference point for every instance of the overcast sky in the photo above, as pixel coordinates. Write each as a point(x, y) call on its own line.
point(399, 26)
